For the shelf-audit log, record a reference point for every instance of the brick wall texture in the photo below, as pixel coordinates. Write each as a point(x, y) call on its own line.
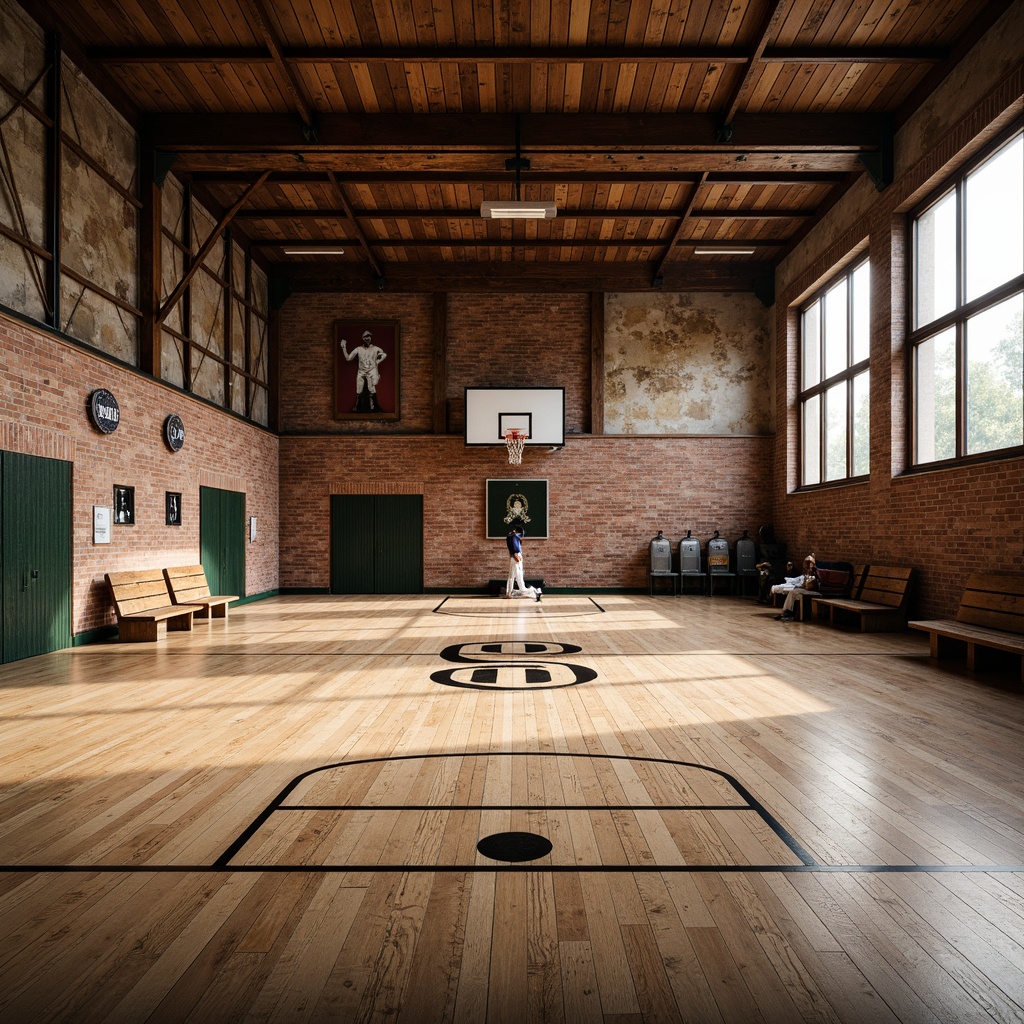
point(44, 389)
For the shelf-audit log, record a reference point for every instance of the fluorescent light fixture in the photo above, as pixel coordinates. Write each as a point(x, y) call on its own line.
point(518, 209)
point(723, 252)
point(316, 250)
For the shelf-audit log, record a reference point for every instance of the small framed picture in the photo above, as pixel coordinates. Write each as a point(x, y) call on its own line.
point(100, 524)
point(172, 508)
point(124, 505)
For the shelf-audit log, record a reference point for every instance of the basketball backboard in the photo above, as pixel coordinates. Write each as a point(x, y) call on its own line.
point(537, 412)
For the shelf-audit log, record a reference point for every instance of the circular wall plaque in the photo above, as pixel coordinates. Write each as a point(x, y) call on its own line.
point(104, 411)
point(174, 432)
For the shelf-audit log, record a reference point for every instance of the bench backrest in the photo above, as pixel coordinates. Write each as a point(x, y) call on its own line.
point(187, 582)
point(140, 590)
point(994, 601)
point(886, 584)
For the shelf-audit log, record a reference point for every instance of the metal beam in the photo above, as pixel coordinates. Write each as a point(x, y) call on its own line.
point(205, 248)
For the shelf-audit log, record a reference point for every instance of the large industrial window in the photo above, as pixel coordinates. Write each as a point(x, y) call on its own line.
point(966, 337)
point(835, 343)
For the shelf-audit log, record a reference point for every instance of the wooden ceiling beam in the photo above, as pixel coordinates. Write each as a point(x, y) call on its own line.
point(545, 276)
point(622, 213)
point(492, 242)
point(609, 176)
point(436, 134)
point(585, 55)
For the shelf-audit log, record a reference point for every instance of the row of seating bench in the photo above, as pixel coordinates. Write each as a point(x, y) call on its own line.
point(990, 616)
point(149, 602)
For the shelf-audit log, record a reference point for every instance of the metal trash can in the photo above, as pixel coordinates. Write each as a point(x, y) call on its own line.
point(746, 561)
point(689, 561)
point(719, 566)
point(661, 563)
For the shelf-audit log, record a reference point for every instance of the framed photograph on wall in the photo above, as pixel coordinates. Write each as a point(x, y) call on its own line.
point(367, 362)
point(172, 508)
point(124, 505)
point(517, 501)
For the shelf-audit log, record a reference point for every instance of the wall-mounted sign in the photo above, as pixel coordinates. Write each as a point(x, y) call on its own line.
point(104, 411)
point(174, 432)
point(172, 508)
point(101, 524)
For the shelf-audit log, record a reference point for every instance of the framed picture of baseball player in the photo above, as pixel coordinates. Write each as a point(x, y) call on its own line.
point(366, 369)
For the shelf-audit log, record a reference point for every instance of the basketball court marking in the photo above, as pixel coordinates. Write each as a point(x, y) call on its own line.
point(722, 795)
point(564, 607)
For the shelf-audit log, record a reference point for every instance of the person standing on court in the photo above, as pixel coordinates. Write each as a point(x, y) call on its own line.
point(514, 542)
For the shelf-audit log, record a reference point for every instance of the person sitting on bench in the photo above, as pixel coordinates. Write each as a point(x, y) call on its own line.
point(795, 587)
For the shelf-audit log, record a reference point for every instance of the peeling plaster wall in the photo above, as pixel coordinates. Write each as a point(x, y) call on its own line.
point(687, 363)
point(21, 59)
point(99, 226)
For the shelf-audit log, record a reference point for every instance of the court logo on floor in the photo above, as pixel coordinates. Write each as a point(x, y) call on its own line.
point(512, 665)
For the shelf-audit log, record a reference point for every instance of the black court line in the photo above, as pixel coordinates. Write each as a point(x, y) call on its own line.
point(751, 802)
point(640, 869)
point(539, 604)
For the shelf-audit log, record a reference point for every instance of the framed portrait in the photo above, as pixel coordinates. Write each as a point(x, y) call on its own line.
point(124, 505)
point(367, 363)
point(517, 501)
point(172, 508)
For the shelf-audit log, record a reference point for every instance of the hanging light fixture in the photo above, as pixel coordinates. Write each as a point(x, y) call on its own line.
point(517, 209)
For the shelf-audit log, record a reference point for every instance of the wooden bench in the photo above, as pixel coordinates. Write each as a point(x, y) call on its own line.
point(187, 584)
point(880, 603)
point(991, 615)
point(143, 605)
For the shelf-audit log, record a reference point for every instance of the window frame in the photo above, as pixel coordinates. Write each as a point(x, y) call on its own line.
point(956, 319)
point(849, 374)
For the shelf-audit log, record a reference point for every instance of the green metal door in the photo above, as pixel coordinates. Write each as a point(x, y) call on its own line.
point(35, 555)
point(376, 543)
point(222, 539)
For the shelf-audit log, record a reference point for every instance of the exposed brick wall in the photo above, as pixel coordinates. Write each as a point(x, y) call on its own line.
point(944, 523)
point(608, 497)
point(540, 341)
point(307, 357)
point(44, 388)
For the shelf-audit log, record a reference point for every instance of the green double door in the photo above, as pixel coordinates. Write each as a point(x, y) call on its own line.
point(222, 539)
point(376, 543)
point(35, 555)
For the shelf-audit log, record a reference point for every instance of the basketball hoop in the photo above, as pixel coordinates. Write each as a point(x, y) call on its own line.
point(515, 440)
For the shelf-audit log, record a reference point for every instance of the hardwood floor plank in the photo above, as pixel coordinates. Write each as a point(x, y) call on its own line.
point(858, 746)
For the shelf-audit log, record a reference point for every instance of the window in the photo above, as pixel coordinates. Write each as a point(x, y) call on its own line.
point(967, 312)
point(835, 343)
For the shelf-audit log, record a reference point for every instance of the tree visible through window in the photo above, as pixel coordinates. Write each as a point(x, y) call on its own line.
point(967, 326)
point(835, 344)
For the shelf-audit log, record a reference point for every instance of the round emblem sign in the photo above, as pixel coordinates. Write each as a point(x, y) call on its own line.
point(104, 410)
point(174, 432)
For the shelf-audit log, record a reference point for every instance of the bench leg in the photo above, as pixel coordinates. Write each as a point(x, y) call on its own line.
point(181, 622)
point(134, 631)
point(218, 611)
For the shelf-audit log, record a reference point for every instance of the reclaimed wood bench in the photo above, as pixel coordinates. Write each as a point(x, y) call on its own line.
point(187, 584)
point(880, 603)
point(143, 605)
point(991, 615)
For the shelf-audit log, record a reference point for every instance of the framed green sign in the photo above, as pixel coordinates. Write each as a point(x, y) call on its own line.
point(522, 502)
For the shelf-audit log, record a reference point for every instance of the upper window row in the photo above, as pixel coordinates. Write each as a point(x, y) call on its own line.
point(966, 337)
point(966, 332)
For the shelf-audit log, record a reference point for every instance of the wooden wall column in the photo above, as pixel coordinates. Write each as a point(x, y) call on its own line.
point(597, 362)
point(440, 335)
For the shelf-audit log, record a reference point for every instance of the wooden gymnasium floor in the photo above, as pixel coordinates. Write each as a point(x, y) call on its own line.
point(276, 818)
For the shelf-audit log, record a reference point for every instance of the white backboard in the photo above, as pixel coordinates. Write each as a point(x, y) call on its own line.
point(538, 412)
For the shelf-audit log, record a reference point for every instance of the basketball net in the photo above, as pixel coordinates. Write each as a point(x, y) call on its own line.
point(515, 440)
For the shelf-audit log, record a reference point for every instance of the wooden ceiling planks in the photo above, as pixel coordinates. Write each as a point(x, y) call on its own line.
point(618, 204)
